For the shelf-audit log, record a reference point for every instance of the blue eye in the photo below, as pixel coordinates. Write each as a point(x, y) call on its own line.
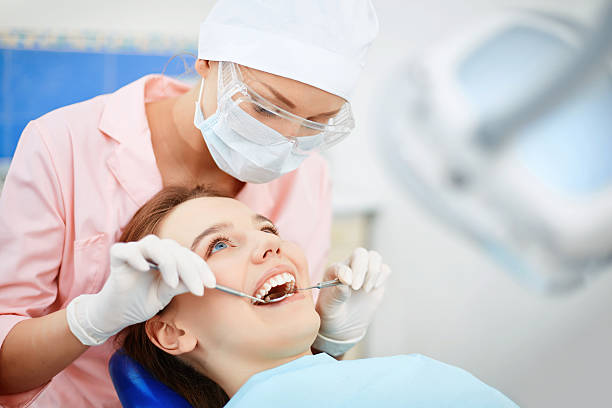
point(218, 246)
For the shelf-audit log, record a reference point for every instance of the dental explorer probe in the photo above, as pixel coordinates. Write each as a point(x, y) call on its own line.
point(222, 288)
point(320, 285)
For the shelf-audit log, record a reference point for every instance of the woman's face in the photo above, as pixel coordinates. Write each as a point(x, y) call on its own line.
point(245, 252)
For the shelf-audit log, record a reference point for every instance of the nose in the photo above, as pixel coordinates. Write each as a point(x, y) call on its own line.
point(269, 247)
point(288, 129)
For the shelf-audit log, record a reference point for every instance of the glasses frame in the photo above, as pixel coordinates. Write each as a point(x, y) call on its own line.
point(231, 83)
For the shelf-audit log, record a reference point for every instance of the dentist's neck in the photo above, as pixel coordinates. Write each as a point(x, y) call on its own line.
point(180, 150)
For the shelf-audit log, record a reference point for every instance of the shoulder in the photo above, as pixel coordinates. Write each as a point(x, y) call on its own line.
point(417, 377)
point(427, 367)
point(451, 383)
point(123, 108)
point(70, 119)
point(61, 134)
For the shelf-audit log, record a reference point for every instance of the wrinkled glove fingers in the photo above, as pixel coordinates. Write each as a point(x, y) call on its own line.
point(159, 252)
point(206, 275)
point(340, 293)
point(186, 267)
point(345, 274)
point(339, 271)
point(374, 270)
point(358, 262)
point(128, 253)
point(189, 272)
point(165, 292)
point(385, 271)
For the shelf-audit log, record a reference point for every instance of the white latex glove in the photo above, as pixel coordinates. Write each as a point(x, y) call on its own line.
point(346, 311)
point(134, 293)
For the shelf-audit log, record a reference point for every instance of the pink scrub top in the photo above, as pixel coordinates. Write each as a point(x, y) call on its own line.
point(78, 175)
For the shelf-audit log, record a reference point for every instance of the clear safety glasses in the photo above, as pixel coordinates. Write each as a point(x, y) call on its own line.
point(306, 135)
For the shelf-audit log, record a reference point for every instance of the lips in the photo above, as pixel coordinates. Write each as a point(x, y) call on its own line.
point(277, 276)
point(288, 299)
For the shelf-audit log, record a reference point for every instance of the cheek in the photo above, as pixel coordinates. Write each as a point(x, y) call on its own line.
point(225, 323)
point(209, 98)
point(297, 257)
point(229, 269)
point(213, 317)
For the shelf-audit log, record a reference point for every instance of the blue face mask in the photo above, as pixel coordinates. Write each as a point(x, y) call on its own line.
point(245, 148)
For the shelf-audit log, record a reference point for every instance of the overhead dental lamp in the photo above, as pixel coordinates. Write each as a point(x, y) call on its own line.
point(505, 132)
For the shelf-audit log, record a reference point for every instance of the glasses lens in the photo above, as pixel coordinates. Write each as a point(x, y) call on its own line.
point(269, 116)
point(307, 136)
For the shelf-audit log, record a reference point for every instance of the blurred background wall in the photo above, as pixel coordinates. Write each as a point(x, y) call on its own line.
point(445, 299)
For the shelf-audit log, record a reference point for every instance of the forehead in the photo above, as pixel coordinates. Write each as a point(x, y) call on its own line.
point(189, 219)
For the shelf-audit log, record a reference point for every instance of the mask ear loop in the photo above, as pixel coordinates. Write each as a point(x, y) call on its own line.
point(200, 94)
point(198, 104)
point(199, 101)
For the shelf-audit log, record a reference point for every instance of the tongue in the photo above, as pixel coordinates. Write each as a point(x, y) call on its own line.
point(277, 291)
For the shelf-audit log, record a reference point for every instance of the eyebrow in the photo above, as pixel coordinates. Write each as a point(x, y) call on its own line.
point(258, 218)
point(279, 96)
point(292, 105)
point(213, 229)
point(208, 231)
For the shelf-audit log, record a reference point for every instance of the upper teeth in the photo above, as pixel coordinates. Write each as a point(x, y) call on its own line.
point(275, 280)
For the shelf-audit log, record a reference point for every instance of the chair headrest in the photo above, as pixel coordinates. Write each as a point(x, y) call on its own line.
point(137, 388)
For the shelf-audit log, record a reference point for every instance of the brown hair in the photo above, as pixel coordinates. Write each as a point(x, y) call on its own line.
point(196, 388)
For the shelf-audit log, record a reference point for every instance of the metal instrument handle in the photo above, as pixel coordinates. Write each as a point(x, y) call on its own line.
point(222, 288)
point(324, 284)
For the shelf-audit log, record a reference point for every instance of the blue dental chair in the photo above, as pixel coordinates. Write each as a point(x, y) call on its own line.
point(137, 388)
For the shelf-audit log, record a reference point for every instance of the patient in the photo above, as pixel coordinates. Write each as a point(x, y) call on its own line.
point(221, 349)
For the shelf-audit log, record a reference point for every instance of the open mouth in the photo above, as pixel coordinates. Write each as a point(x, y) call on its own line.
point(276, 287)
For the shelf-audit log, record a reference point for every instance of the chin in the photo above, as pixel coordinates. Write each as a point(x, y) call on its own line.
point(292, 336)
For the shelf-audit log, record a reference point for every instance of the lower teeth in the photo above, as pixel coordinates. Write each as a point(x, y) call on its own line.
point(284, 295)
point(289, 291)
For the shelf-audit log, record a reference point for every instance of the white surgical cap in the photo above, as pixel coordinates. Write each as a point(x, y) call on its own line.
point(322, 43)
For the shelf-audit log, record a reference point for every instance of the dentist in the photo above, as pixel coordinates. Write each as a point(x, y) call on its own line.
point(276, 80)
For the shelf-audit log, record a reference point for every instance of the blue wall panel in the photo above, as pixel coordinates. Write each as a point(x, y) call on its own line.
point(34, 82)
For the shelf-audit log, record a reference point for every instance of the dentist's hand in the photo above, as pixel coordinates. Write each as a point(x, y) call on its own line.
point(134, 293)
point(346, 311)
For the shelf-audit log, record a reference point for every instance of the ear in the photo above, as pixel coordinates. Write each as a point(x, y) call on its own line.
point(204, 67)
point(165, 335)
